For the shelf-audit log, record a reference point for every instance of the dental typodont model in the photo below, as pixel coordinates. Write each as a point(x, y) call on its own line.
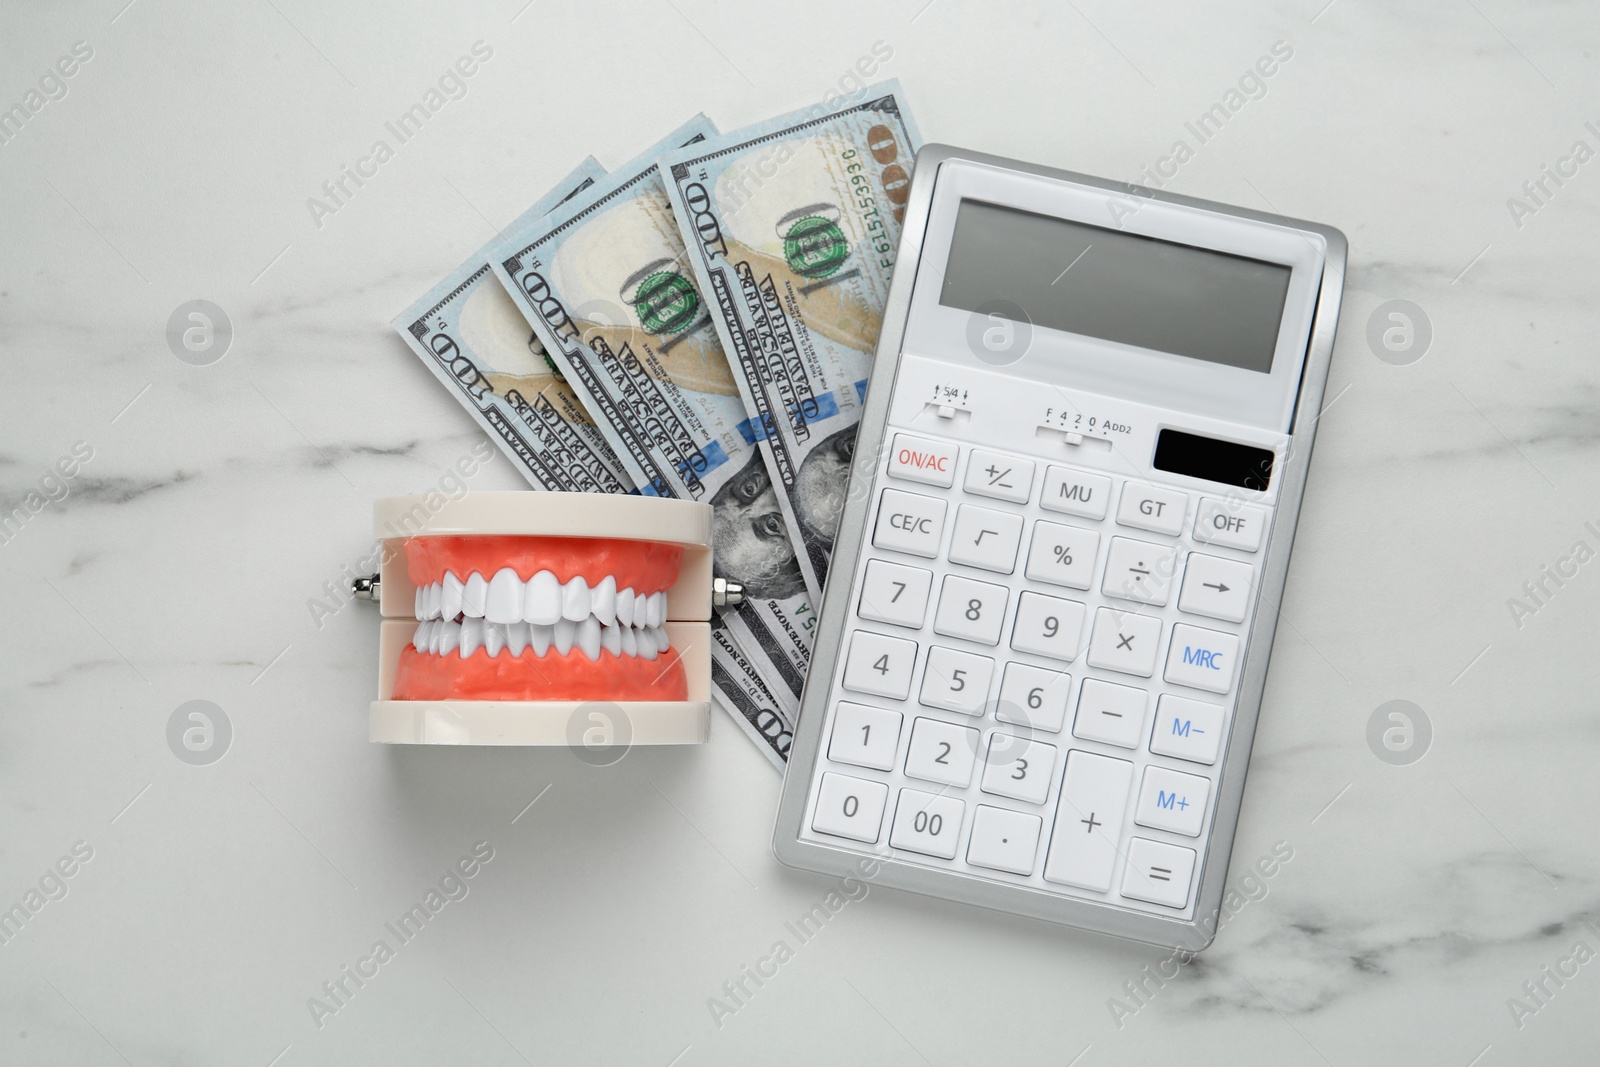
point(540, 618)
point(522, 613)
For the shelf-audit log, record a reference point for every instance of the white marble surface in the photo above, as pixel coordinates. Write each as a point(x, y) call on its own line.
point(219, 500)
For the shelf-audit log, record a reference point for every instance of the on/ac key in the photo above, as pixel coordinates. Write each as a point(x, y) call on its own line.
point(917, 459)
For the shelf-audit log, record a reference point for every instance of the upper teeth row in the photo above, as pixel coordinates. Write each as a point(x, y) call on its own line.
point(541, 599)
point(443, 636)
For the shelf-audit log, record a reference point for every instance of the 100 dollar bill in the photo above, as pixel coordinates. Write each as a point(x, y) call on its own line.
point(468, 333)
point(602, 282)
point(792, 226)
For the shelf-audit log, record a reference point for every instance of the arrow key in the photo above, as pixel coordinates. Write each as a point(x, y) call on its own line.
point(1217, 588)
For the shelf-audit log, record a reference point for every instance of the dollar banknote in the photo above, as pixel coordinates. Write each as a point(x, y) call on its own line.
point(792, 226)
point(469, 334)
point(603, 283)
point(747, 699)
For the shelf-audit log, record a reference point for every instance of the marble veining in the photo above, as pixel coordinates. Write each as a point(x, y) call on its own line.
point(1424, 902)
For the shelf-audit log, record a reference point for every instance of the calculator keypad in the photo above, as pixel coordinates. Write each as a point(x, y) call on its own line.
point(895, 594)
point(970, 609)
point(1038, 677)
point(985, 538)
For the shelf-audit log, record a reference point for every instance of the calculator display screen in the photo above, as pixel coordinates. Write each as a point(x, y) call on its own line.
point(1117, 286)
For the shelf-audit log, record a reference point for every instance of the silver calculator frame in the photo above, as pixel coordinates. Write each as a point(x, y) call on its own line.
point(881, 867)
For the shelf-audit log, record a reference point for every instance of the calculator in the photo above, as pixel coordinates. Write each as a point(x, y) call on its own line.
point(1044, 638)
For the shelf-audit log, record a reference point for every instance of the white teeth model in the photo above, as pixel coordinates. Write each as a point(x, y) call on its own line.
point(589, 638)
point(443, 637)
point(474, 594)
point(562, 634)
point(542, 602)
point(575, 600)
point(539, 639)
point(605, 601)
point(516, 638)
point(504, 603)
point(471, 637)
point(450, 596)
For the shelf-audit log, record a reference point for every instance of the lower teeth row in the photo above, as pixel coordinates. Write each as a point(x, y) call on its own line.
point(444, 636)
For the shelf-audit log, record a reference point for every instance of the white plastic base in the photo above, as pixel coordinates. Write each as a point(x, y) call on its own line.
point(597, 725)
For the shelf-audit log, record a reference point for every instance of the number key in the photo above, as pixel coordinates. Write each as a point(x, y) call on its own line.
point(942, 752)
point(1018, 768)
point(969, 609)
point(956, 681)
point(850, 807)
point(895, 594)
point(1034, 697)
point(927, 823)
point(879, 665)
point(1048, 626)
point(865, 737)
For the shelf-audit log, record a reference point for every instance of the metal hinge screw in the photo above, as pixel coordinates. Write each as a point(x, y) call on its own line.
point(725, 594)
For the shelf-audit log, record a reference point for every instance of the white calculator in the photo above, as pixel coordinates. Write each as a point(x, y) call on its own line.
point(1054, 588)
